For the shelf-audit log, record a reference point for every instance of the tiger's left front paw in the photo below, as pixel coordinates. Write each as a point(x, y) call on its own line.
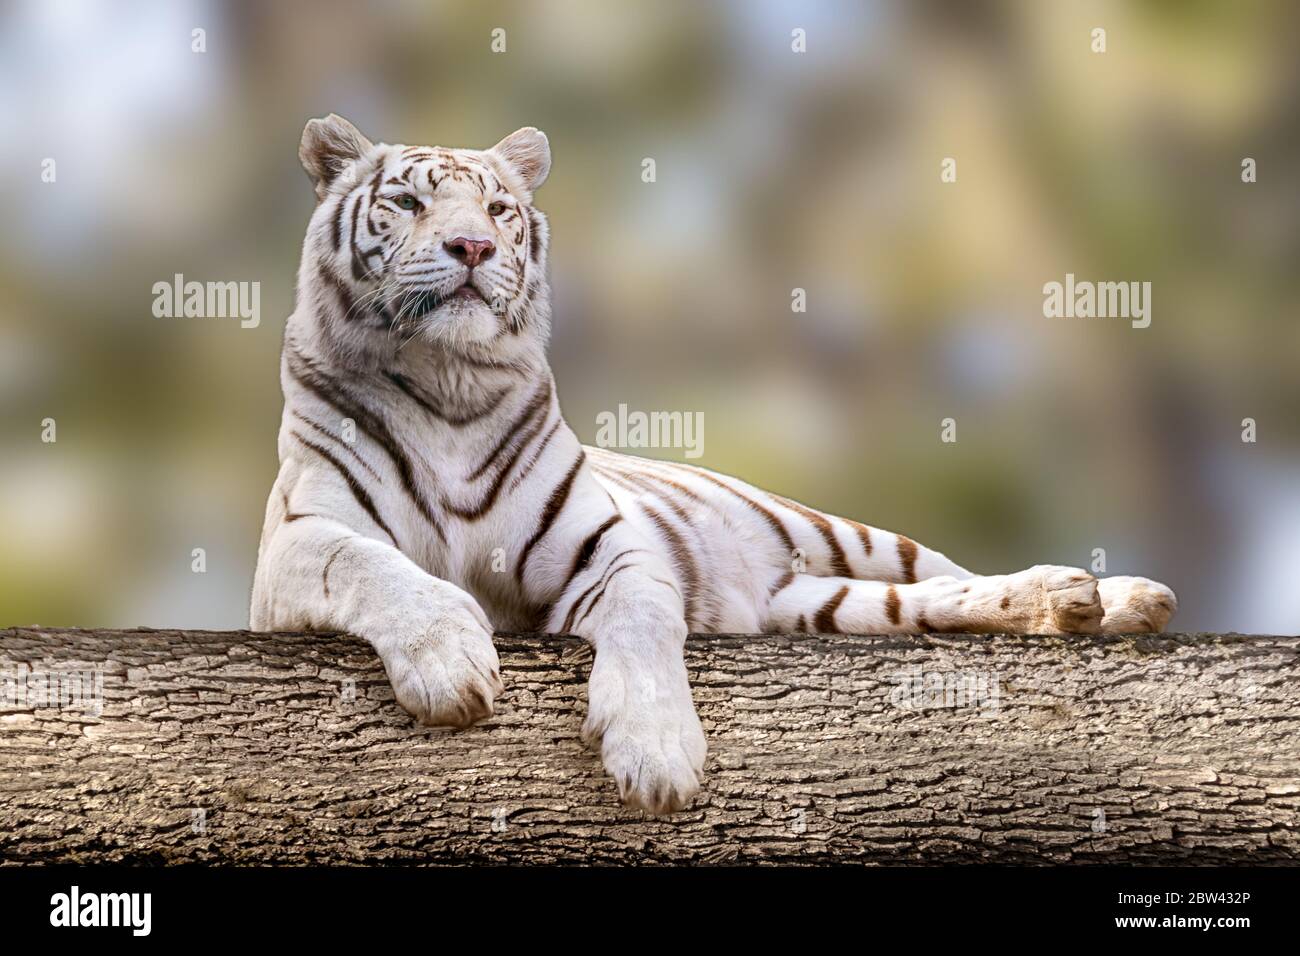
point(1135, 605)
point(649, 736)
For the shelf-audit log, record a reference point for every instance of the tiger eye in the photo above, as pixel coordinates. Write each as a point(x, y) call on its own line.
point(406, 201)
point(496, 208)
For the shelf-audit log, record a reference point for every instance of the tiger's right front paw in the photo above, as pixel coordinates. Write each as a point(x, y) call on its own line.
point(445, 674)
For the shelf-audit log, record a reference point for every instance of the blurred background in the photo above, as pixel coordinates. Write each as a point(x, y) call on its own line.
point(776, 170)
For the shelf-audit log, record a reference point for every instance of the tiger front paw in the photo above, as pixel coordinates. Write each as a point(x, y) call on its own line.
point(445, 673)
point(648, 734)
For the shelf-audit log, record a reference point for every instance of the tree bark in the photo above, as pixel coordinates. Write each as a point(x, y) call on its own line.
point(289, 749)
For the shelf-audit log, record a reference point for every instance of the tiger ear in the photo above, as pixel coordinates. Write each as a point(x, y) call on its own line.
point(528, 153)
point(328, 145)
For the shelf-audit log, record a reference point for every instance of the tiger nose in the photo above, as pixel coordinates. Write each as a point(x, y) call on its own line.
point(470, 251)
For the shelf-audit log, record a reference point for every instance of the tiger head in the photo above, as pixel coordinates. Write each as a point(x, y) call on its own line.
point(422, 241)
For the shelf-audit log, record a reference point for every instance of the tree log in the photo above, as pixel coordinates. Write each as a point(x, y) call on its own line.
point(251, 748)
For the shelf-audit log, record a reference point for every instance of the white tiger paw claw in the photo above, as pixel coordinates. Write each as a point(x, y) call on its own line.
point(446, 674)
point(648, 734)
point(1135, 605)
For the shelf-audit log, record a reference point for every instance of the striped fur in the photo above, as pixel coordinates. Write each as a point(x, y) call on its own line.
point(430, 490)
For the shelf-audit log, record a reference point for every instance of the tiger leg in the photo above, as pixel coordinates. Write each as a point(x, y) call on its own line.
point(621, 594)
point(1041, 600)
point(326, 564)
point(1130, 604)
point(814, 542)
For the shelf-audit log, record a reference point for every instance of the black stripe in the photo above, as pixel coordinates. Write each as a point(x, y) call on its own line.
point(825, 619)
point(540, 398)
point(681, 555)
point(321, 429)
point(489, 499)
point(415, 394)
point(584, 555)
point(342, 293)
point(329, 563)
point(534, 234)
point(678, 509)
point(338, 398)
point(773, 521)
point(374, 195)
point(648, 481)
point(358, 268)
point(524, 472)
point(893, 605)
point(864, 534)
point(358, 490)
point(577, 603)
point(649, 475)
point(647, 471)
point(336, 234)
point(596, 600)
point(619, 479)
point(554, 505)
point(907, 550)
point(839, 561)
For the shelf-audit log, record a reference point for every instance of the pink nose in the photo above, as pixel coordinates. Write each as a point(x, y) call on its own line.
point(470, 251)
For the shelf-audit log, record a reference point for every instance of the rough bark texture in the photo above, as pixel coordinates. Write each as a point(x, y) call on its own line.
point(251, 748)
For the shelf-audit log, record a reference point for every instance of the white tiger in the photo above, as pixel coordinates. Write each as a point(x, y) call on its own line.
point(429, 490)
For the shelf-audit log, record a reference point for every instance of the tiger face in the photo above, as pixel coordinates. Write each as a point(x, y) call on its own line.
point(443, 244)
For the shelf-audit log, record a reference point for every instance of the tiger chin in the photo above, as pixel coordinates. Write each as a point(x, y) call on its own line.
point(430, 491)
